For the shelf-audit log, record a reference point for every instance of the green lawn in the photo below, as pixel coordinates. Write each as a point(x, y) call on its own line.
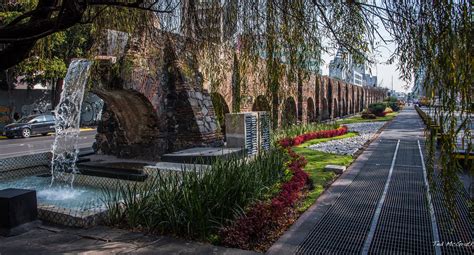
point(315, 168)
point(357, 119)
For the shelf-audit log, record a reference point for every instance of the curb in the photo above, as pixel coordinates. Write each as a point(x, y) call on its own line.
point(81, 129)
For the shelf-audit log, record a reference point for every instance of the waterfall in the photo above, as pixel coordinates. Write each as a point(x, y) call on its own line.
point(68, 112)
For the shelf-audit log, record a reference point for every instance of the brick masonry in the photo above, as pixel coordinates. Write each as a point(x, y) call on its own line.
point(158, 98)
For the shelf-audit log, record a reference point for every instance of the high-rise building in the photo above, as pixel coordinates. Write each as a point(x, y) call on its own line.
point(344, 68)
point(418, 89)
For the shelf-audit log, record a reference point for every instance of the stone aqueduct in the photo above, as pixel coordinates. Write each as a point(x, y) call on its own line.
point(319, 98)
point(158, 99)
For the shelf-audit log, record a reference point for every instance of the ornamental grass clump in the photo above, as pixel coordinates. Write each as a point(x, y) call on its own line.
point(196, 203)
point(260, 225)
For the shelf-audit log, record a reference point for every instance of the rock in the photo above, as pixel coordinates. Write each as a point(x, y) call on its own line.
point(204, 111)
point(193, 102)
point(198, 95)
point(349, 146)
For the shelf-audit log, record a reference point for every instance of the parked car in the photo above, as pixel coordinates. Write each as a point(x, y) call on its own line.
point(31, 125)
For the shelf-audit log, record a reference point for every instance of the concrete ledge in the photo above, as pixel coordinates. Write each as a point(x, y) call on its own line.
point(18, 208)
point(335, 168)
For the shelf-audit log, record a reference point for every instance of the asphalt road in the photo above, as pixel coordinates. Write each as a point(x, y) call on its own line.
point(36, 144)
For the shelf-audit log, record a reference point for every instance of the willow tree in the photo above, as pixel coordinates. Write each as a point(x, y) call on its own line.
point(279, 38)
point(436, 39)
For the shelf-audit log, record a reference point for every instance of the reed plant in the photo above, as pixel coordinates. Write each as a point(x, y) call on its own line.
point(195, 203)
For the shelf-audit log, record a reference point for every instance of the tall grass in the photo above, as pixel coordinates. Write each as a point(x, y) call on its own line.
point(195, 203)
point(296, 130)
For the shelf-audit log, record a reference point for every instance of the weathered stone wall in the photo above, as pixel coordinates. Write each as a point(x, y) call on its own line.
point(129, 126)
point(154, 101)
point(157, 96)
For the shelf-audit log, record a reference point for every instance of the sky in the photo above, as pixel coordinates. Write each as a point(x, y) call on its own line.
point(383, 71)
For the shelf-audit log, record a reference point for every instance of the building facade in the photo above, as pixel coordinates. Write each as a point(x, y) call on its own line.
point(344, 68)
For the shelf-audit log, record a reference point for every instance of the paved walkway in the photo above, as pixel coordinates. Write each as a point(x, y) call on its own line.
point(381, 205)
point(102, 240)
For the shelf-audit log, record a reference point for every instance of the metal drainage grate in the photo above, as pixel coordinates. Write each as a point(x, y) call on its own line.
point(409, 155)
point(456, 231)
point(344, 227)
point(404, 226)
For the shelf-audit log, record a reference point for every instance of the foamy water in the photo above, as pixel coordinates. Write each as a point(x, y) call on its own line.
point(77, 198)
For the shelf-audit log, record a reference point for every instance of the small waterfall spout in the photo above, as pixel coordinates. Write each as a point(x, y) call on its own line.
point(68, 112)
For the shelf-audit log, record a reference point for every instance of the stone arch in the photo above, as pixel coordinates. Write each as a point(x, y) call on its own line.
point(330, 99)
point(289, 114)
point(310, 111)
point(129, 126)
point(363, 98)
point(325, 112)
point(343, 111)
point(353, 100)
point(220, 109)
point(340, 99)
point(261, 103)
point(318, 99)
point(347, 107)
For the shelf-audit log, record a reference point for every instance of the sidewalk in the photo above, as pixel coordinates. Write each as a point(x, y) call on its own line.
point(102, 240)
point(381, 205)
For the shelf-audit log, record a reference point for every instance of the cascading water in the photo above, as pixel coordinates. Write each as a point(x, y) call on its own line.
point(68, 112)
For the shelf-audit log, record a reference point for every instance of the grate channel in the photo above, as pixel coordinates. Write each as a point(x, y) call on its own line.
point(344, 227)
point(455, 229)
point(409, 155)
point(404, 226)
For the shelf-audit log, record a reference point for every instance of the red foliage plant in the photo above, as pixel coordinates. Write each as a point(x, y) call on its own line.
point(264, 217)
point(288, 142)
point(251, 229)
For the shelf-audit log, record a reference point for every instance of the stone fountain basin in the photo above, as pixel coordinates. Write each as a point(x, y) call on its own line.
point(81, 207)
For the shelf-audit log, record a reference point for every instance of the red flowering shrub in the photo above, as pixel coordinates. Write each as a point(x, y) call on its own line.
point(288, 142)
point(253, 228)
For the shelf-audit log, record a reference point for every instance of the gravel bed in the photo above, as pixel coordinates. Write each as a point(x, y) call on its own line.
point(349, 146)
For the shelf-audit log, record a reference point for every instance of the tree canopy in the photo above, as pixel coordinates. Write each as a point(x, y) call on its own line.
point(431, 36)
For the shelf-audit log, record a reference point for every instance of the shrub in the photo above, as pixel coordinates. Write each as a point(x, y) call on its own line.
point(254, 227)
point(196, 203)
point(377, 109)
point(366, 115)
point(257, 225)
point(394, 106)
point(299, 139)
point(388, 110)
point(296, 130)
